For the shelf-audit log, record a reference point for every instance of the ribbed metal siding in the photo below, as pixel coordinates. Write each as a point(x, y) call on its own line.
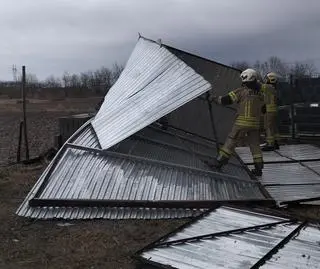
point(89, 176)
point(288, 173)
point(154, 83)
point(293, 192)
point(95, 213)
point(164, 153)
point(240, 250)
point(87, 138)
point(303, 251)
point(269, 156)
point(300, 152)
point(190, 142)
point(313, 165)
point(224, 219)
point(223, 79)
point(289, 181)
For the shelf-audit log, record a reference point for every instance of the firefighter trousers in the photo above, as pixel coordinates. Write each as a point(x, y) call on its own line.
point(238, 133)
point(271, 127)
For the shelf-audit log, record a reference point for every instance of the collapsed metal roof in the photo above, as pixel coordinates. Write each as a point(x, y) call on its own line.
point(291, 174)
point(131, 178)
point(236, 238)
point(118, 166)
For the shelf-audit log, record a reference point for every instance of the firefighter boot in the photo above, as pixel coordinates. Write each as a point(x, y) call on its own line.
point(221, 161)
point(276, 145)
point(268, 148)
point(257, 171)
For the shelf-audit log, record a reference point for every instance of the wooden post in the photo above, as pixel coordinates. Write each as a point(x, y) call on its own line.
point(19, 142)
point(24, 111)
point(292, 108)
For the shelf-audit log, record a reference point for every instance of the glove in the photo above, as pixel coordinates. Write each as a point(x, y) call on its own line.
point(214, 99)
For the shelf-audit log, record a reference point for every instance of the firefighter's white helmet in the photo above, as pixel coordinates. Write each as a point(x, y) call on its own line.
point(249, 75)
point(272, 77)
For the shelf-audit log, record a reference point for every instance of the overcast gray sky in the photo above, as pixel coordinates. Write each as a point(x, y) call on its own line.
point(51, 37)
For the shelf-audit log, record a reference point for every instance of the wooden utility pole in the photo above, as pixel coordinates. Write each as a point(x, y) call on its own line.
point(24, 111)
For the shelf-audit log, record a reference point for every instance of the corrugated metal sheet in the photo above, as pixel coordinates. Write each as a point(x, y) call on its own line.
point(187, 117)
point(299, 248)
point(87, 138)
point(183, 156)
point(224, 219)
point(154, 83)
point(287, 173)
point(241, 250)
point(269, 156)
point(83, 175)
point(289, 181)
point(301, 252)
point(300, 152)
point(294, 192)
point(313, 165)
point(192, 142)
point(90, 176)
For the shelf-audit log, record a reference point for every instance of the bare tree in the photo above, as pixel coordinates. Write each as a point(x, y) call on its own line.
point(300, 69)
point(241, 65)
point(52, 82)
point(91, 79)
point(32, 80)
point(84, 79)
point(273, 64)
point(116, 72)
point(278, 66)
point(66, 78)
point(75, 81)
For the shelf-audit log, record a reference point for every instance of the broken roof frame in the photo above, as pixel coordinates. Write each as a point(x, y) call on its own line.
point(164, 241)
point(35, 200)
point(196, 204)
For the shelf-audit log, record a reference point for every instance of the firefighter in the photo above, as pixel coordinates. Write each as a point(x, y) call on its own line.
point(270, 118)
point(250, 100)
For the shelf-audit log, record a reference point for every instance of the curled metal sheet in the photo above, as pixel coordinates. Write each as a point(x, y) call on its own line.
point(154, 83)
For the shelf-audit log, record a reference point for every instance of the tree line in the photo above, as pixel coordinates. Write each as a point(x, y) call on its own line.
point(274, 64)
point(103, 76)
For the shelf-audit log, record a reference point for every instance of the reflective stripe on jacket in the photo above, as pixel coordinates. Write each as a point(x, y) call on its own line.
point(250, 104)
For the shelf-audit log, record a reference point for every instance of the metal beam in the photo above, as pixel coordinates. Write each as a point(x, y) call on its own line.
point(184, 137)
point(169, 145)
point(287, 161)
point(189, 204)
point(278, 246)
point(218, 176)
point(298, 201)
point(212, 235)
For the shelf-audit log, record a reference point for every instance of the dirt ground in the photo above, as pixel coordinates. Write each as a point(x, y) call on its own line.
point(42, 124)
